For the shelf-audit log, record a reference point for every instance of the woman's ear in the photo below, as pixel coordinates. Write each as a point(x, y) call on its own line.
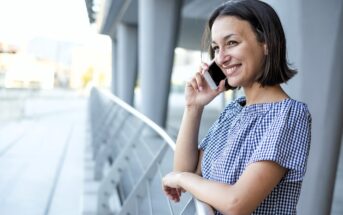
point(265, 49)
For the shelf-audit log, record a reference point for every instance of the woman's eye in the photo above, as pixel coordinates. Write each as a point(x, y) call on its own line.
point(231, 43)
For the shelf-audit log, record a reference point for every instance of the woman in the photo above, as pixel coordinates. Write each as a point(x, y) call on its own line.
point(253, 159)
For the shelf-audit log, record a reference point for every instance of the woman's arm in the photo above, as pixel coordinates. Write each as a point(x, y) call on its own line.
point(254, 185)
point(197, 95)
point(186, 156)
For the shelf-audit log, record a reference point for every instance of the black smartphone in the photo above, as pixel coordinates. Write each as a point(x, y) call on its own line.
point(214, 75)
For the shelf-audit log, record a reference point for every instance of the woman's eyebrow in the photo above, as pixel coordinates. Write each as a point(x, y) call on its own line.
point(228, 36)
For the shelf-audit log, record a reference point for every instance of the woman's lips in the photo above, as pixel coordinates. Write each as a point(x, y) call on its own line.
point(231, 69)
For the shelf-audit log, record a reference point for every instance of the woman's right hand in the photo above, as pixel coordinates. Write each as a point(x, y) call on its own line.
point(198, 93)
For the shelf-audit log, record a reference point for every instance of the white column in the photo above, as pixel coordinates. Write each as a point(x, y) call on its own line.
point(127, 61)
point(158, 31)
point(292, 27)
point(322, 90)
point(114, 67)
point(314, 31)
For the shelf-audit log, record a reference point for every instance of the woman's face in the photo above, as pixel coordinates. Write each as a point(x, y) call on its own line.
point(237, 51)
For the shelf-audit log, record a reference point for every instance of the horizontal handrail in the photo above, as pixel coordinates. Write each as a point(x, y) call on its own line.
point(203, 208)
point(142, 117)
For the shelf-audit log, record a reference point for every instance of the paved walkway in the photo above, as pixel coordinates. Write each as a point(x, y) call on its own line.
point(41, 164)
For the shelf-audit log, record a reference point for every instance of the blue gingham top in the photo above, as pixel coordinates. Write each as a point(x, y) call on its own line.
point(278, 132)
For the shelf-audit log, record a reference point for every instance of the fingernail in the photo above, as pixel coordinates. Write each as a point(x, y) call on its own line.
point(200, 88)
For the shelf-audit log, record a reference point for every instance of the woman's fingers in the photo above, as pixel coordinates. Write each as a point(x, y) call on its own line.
point(203, 67)
point(221, 86)
point(170, 187)
point(199, 79)
point(193, 84)
point(197, 82)
point(172, 193)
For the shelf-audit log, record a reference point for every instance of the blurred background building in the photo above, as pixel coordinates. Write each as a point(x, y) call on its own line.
point(47, 63)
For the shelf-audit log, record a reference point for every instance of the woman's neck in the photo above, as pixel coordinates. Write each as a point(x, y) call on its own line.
point(257, 94)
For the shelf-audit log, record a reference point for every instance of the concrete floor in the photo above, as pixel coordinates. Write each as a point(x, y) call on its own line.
point(41, 164)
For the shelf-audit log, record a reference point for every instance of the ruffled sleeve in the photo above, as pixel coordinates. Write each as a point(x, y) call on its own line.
point(287, 141)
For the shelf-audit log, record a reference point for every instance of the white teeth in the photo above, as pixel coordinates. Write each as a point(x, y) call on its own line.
point(231, 70)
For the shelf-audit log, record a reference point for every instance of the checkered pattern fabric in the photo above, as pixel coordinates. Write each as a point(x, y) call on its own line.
point(278, 132)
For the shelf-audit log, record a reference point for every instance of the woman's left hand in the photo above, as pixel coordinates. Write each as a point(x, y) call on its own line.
point(171, 187)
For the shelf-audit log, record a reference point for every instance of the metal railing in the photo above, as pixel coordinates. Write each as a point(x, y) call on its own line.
point(131, 154)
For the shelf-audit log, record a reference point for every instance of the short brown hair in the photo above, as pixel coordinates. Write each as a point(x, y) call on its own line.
point(268, 29)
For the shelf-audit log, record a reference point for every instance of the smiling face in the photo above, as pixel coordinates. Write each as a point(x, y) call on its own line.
point(237, 51)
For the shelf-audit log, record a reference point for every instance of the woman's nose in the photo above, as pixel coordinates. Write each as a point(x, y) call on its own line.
point(222, 58)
